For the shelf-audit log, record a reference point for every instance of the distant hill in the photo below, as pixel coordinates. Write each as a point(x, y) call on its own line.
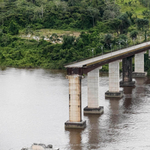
point(133, 6)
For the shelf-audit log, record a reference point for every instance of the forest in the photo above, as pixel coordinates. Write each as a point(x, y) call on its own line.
point(104, 26)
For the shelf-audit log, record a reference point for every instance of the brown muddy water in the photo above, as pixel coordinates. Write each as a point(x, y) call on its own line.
point(34, 108)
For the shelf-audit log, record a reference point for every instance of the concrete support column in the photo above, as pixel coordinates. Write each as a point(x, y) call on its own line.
point(93, 93)
point(139, 65)
point(75, 113)
point(114, 90)
point(127, 72)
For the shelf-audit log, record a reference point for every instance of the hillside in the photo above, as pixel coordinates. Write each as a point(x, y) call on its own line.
point(50, 33)
point(132, 6)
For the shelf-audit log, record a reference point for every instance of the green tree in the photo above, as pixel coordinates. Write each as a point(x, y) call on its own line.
point(93, 13)
point(146, 14)
point(68, 41)
point(111, 11)
point(115, 25)
point(28, 30)
point(108, 40)
point(125, 23)
point(142, 23)
point(13, 28)
point(134, 34)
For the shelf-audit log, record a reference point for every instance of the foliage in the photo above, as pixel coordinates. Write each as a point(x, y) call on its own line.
point(108, 40)
point(112, 10)
point(68, 41)
point(146, 3)
point(106, 29)
point(13, 28)
point(141, 23)
point(125, 23)
point(134, 34)
point(146, 14)
point(62, 14)
point(115, 25)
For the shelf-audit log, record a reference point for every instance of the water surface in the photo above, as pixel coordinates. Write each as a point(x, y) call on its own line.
point(34, 106)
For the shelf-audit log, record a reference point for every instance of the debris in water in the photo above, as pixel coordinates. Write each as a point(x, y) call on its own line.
point(40, 146)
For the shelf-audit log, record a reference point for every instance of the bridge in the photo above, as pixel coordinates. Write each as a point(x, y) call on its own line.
point(91, 67)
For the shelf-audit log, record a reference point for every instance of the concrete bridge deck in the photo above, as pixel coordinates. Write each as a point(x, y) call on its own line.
point(85, 66)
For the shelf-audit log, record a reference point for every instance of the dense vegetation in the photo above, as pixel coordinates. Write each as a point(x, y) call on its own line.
point(104, 27)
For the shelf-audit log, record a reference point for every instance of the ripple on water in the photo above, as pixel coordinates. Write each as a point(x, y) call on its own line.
point(34, 107)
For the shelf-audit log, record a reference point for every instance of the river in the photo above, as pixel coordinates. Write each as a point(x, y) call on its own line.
point(34, 106)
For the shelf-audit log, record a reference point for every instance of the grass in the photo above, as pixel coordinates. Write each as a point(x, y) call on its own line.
point(135, 7)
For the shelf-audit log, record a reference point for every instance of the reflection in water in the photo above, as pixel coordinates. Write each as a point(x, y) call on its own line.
point(75, 139)
point(115, 114)
point(139, 92)
point(127, 97)
point(140, 86)
point(93, 136)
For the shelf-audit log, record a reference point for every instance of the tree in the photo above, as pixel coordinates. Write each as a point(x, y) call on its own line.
point(73, 2)
point(68, 41)
point(123, 39)
point(111, 11)
point(108, 40)
point(146, 14)
point(125, 23)
point(13, 28)
point(142, 23)
point(134, 34)
point(28, 30)
point(132, 16)
point(54, 37)
point(115, 24)
point(93, 13)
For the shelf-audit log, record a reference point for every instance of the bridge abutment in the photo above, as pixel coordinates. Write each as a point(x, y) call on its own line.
point(139, 65)
point(93, 93)
point(75, 110)
point(114, 87)
point(127, 72)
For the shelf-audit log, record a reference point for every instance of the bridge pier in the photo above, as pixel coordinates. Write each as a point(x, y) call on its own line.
point(75, 112)
point(139, 65)
point(127, 72)
point(93, 93)
point(114, 90)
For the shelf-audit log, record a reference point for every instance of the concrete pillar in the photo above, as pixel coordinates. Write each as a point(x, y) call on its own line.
point(139, 65)
point(93, 93)
point(75, 113)
point(127, 72)
point(114, 86)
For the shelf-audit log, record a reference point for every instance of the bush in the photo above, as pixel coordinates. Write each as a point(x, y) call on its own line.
point(13, 28)
point(134, 34)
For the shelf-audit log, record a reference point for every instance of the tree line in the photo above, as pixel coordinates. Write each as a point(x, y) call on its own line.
point(103, 27)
